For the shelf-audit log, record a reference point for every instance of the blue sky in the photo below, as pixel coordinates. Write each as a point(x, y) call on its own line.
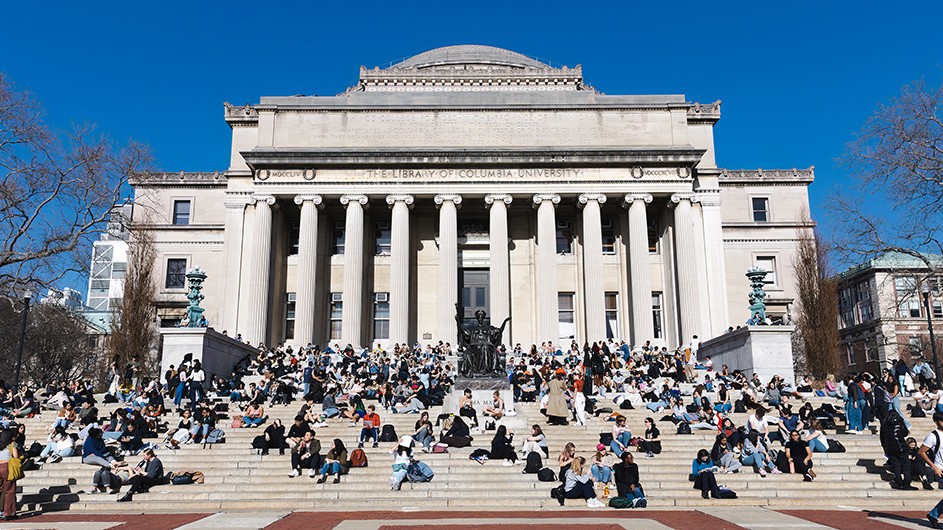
point(797, 78)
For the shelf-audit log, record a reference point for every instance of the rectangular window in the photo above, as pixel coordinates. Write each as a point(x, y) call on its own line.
point(564, 238)
point(290, 315)
point(384, 238)
point(567, 316)
point(608, 237)
point(381, 316)
point(176, 273)
point(850, 353)
point(906, 286)
point(337, 315)
point(767, 263)
point(612, 315)
point(846, 307)
point(653, 234)
point(657, 319)
point(337, 239)
point(870, 350)
point(101, 284)
point(912, 308)
point(937, 309)
point(865, 310)
point(181, 212)
point(760, 209)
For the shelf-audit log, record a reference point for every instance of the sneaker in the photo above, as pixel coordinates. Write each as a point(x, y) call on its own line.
point(360, 445)
point(927, 485)
point(934, 522)
point(507, 463)
point(55, 458)
point(425, 449)
point(777, 472)
point(593, 503)
point(312, 473)
point(294, 473)
point(762, 472)
point(649, 455)
point(808, 478)
point(375, 445)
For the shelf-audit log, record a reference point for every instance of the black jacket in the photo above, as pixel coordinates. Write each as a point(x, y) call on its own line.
point(894, 434)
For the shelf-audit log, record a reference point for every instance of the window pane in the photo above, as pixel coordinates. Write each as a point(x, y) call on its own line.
point(611, 299)
point(176, 274)
point(565, 301)
point(337, 310)
point(657, 324)
point(335, 329)
point(760, 210)
point(338, 236)
point(381, 329)
point(608, 238)
point(480, 297)
point(937, 309)
point(181, 212)
point(466, 296)
point(767, 263)
point(382, 310)
point(564, 238)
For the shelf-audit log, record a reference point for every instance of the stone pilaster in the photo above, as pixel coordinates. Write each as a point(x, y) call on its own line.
point(306, 292)
point(232, 275)
point(686, 266)
point(399, 267)
point(594, 295)
point(714, 254)
point(261, 267)
point(548, 318)
point(640, 268)
point(500, 274)
point(352, 317)
point(448, 264)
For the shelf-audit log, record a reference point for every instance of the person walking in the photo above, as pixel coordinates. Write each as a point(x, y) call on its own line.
point(8, 452)
point(931, 452)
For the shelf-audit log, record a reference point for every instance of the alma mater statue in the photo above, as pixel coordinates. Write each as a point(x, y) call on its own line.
point(478, 346)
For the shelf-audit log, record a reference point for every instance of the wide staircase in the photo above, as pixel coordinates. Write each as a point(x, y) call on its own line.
point(238, 479)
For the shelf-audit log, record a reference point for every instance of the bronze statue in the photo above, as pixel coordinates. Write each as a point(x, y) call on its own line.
point(478, 347)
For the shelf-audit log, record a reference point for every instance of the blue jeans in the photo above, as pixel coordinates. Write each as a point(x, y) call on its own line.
point(247, 421)
point(757, 460)
point(333, 469)
point(901, 379)
point(935, 512)
point(624, 438)
point(895, 406)
point(636, 494)
point(854, 415)
point(601, 473)
point(368, 433)
point(655, 405)
point(723, 407)
point(178, 395)
point(818, 446)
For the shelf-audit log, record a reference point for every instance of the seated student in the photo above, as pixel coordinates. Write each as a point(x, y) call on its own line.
point(788, 422)
point(702, 473)
point(723, 456)
point(578, 484)
point(143, 477)
point(537, 441)
point(357, 411)
point(798, 457)
point(502, 447)
point(496, 409)
point(602, 464)
point(815, 436)
point(402, 457)
point(760, 423)
point(918, 468)
point(621, 436)
point(627, 480)
point(723, 400)
point(58, 445)
point(329, 405)
point(925, 399)
point(565, 459)
point(274, 437)
point(306, 455)
point(466, 407)
point(458, 434)
point(650, 444)
point(254, 416)
point(371, 427)
point(423, 433)
point(754, 454)
point(130, 439)
point(335, 463)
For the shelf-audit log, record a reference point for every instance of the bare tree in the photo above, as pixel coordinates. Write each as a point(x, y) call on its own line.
point(816, 323)
point(56, 346)
point(897, 161)
point(56, 191)
point(133, 338)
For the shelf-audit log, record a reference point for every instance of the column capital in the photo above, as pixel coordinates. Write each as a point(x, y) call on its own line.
point(492, 197)
point(709, 198)
point(267, 199)
point(236, 203)
point(586, 197)
point(553, 198)
point(448, 197)
point(632, 197)
point(301, 199)
point(346, 199)
point(405, 198)
point(678, 197)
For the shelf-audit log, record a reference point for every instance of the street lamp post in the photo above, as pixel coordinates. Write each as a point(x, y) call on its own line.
point(19, 352)
point(926, 306)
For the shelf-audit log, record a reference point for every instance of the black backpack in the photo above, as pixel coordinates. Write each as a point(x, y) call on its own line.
point(546, 475)
point(917, 412)
point(388, 434)
point(738, 406)
point(626, 405)
point(684, 428)
point(534, 462)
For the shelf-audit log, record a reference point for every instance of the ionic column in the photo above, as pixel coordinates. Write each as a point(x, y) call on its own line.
point(261, 266)
point(640, 268)
point(448, 264)
point(548, 318)
point(686, 269)
point(594, 294)
point(351, 319)
point(399, 267)
point(500, 273)
point(233, 250)
point(306, 292)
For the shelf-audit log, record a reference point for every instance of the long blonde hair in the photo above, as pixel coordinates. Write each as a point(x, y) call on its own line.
point(577, 466)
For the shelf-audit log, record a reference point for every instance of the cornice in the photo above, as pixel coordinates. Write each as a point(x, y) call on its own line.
point(765, 176)
point(179, 178)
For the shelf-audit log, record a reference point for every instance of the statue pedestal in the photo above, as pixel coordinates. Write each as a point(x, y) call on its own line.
point(483, 389)
point(217, 353)
point(764, 350)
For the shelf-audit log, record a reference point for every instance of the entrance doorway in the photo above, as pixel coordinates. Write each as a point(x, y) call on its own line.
point(475, 293)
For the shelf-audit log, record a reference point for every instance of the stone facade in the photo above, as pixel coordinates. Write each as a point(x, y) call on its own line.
point(477, 176)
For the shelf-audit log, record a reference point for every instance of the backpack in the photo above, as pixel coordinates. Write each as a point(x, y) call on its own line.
point(490, 426)
point(440, 448)
point(834, 446)
point(216, 436)
point(558, 493)
point(605, 438)
point(546, 475)
point(237, 422)
point(620, 503)
point(684, 428)
point(881, 397)
point(358, 458)
point(738, 406)
point(727, 493)
point(534, 462)
point(626, 405)
point(419, 472)
point(917, 412)
point(388, 433)
point(259, 442)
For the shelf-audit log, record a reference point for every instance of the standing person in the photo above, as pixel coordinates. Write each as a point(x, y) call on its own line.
point(8, 451)
point(557, 411)
point(894, 441)
point(183, 377)
point(900, 372)
point(142, 478)
point(854, 407)
point(931, 453)
point(196, 384)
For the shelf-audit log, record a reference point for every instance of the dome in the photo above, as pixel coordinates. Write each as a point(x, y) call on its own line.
point(470, 54)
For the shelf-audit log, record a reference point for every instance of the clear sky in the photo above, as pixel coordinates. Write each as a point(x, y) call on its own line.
point(797, 78)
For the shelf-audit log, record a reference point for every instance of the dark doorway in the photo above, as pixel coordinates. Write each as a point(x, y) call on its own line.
point(475, 293)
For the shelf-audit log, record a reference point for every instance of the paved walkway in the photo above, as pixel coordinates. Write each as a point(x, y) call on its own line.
point(715, 518)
